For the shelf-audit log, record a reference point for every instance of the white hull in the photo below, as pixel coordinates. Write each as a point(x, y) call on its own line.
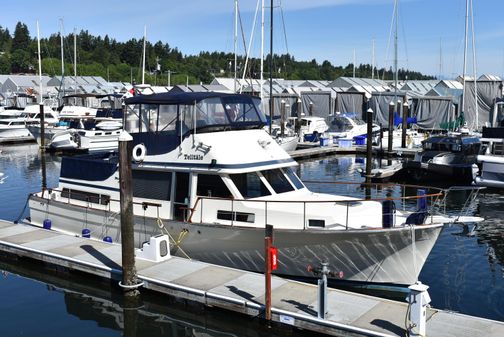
point(383, 255)
point(15, 134)
point(492, 171)
point(288, 143)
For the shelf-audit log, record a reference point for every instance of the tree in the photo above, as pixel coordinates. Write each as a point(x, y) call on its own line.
point(21, 38)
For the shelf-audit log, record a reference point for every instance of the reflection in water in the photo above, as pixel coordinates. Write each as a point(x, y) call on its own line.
point(464, 270)
point(92, 300)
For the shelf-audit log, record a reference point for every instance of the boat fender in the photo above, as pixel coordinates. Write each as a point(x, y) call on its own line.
point(139, 152)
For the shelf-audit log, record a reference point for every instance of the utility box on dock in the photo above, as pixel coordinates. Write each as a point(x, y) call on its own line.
point(156, 250)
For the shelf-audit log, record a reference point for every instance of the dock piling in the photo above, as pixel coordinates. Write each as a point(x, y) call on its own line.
point(390, 126)
point(404, 123)
point(369, 145)
point(268, 242)
point(129, 277)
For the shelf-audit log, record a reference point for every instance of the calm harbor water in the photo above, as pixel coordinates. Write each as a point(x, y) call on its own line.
point(465, 270)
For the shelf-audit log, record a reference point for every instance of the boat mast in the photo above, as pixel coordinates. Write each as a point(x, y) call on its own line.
point(271, 68)
point(39, 61)
point(62, 58)
point(235, 42)
point(262, 51)
point(75, 60)
point(474, 68)
point(465, 56)
point(143, 58)
point(395, 51)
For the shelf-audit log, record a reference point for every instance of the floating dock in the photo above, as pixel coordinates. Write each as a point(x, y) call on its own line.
point(313, 151)
point(293, 303)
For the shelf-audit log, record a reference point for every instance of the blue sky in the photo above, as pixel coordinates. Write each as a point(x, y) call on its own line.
point(315, 29)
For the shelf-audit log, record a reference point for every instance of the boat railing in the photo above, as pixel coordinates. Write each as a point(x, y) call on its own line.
point(307, 213)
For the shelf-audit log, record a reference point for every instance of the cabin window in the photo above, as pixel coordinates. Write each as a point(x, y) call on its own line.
point(249, 185)
point(236, 216)
point(239, 110)
point(152, 184)
point(277, 180)
point(148, 117)
point(210, 112)
point(211, 185)
point(94, 198)
point(167, 117)
point(316, 223)
point(293, 178)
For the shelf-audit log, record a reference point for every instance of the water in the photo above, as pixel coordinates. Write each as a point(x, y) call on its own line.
point(464, 271)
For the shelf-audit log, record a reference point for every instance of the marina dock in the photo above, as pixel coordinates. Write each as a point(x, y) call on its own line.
point(293, 303)
point(314, 151)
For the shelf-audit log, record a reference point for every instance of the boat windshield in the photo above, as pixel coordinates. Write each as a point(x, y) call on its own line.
point(340, 124)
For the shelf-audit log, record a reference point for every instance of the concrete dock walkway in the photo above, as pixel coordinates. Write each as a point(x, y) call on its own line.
point(293, 303)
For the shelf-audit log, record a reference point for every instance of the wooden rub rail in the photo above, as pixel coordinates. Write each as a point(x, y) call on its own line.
point(293, 303)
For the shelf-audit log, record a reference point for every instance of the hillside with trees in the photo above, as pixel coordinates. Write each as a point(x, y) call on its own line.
point(121, 61)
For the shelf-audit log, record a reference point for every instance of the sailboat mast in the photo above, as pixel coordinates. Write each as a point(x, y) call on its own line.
point(75, 60)
point(39, 61)
point(474, 68)
point(143, 57)
point(465, 56)
point(235, 41)
point(395, 51)
point(271, 68)
point(62, 54)
point(261, 84)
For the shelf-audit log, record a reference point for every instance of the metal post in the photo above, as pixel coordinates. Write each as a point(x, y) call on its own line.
point(322, 291)
point(404, 123)
point(369, 144)
point(390, 126)
point(268, 241)
point(42, 126)
point(129, 277)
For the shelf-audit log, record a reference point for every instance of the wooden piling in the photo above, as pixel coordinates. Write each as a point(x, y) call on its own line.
point(390, 126)
point(282, 117)
point(268, 241)
point(404, 123)
point(369, 144)
point(129, 277)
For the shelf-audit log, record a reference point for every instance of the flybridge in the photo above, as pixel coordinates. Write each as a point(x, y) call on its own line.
point(162, 121)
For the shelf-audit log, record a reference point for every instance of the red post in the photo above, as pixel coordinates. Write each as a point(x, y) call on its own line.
point(268, 240)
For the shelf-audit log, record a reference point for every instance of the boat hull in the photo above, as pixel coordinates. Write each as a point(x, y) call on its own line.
point(376, 256)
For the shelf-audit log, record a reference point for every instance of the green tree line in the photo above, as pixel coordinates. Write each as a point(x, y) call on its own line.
point(121, 61)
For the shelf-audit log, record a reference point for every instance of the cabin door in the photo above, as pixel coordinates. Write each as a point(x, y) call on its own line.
point(181, 202)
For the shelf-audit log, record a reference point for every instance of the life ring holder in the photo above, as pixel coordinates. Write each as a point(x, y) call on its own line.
point(139, 153)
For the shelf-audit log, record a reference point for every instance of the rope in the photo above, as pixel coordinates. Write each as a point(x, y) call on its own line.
point(23, 210)
point(177, 242)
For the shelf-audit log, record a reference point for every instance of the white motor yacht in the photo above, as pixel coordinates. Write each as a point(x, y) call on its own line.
point(213, 181)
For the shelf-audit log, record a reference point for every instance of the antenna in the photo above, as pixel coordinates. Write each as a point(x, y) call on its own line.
point(373, 60)
point(143, 58)
point(354, 63)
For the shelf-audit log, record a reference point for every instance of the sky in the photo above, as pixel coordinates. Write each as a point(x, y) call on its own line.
point(430, 32)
